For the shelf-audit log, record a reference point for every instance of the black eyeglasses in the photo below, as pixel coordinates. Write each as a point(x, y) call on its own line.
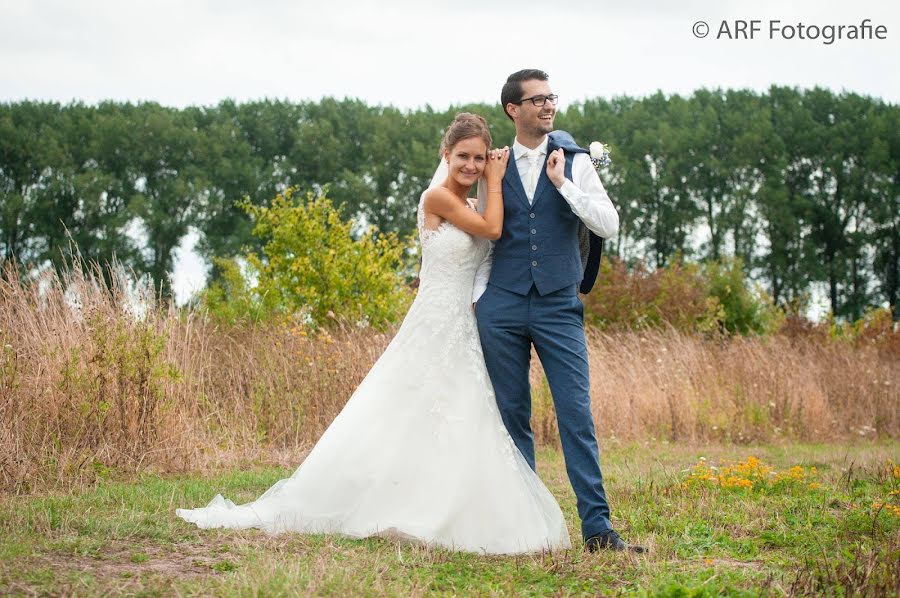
point(539, 100)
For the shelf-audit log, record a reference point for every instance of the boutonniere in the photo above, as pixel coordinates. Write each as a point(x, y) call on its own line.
point(599, 154)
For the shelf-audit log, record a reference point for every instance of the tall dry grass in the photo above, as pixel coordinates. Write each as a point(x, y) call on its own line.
point(680, 387)
point(100, 377)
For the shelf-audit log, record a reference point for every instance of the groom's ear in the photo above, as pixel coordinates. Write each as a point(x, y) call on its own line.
point(512, 110)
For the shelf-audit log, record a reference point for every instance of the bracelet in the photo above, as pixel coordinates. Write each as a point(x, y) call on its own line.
point(495, 190)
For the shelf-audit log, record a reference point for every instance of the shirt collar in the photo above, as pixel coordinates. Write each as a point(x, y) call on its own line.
point(519, 149)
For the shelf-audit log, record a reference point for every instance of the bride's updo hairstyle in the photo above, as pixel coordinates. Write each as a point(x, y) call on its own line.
point(465, 125)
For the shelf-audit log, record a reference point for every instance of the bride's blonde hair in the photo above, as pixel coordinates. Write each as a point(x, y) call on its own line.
point(465, 125)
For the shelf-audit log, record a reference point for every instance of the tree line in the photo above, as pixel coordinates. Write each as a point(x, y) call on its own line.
point(802, 185)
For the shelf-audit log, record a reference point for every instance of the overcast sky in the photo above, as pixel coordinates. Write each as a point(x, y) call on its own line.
point(409, 54)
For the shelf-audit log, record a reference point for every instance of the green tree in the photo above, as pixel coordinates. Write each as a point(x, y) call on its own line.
point(170, 185)
point(30, 151)
point(95, 205)
point(801, 185)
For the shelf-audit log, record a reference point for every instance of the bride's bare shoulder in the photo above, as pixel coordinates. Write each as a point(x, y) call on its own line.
point(438, 196)
point(438, 192)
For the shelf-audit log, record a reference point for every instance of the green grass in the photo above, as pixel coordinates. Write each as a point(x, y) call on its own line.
point(122, 537)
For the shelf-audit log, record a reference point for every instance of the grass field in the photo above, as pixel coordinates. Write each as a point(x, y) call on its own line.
point(829, 525)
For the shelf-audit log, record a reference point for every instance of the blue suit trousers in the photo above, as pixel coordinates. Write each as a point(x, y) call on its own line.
point(509, 324)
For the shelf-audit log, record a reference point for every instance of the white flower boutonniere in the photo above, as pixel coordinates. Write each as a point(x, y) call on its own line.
point(599, 154)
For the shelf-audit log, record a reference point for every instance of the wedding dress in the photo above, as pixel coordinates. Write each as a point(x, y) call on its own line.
point(419, 451)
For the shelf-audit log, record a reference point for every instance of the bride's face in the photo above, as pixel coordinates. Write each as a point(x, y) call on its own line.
point(466, 160)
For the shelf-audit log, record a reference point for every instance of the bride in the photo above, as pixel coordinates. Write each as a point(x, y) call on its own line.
point(420, 451)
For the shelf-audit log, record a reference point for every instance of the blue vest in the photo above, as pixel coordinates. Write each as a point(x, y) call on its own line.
point(540, 241)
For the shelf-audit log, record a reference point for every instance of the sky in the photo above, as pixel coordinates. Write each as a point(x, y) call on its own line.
point(414, 53)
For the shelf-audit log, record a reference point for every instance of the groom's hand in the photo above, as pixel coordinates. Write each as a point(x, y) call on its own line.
point(556, 168)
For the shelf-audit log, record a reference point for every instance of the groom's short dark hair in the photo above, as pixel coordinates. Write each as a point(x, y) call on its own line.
point(512, 89)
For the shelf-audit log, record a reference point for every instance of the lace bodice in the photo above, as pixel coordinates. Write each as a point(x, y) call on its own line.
point(450, 258)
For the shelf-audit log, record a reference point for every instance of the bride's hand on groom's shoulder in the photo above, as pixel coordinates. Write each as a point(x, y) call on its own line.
point(496, 164)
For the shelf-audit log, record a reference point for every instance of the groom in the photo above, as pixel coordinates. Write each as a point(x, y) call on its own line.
point(527, 291)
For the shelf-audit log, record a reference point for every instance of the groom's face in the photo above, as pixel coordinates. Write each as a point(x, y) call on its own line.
point(534, 120)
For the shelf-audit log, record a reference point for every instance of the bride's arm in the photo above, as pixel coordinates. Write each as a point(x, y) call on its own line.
point(442, 202)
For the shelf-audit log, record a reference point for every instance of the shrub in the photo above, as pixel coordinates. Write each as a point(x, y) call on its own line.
point(875, 328)
point(639, 299)
point(232, 299)
point(713, 297)
point(114, 386)
point(312, 270)
point(743, 310)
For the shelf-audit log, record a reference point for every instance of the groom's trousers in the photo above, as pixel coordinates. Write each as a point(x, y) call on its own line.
point(508, 324)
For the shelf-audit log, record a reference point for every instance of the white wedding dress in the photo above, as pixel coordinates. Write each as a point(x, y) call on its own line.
point(419, 451)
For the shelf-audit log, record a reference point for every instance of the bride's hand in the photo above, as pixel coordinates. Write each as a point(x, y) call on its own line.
point(496, 165)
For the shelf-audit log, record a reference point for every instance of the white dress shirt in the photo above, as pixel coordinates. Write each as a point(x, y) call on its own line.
point(586, 196)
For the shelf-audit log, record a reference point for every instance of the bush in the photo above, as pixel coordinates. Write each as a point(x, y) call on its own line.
point(231, 299)
point(743, 310)
point(875, 328)
point(639, 299)
point(312, 270)
point(114, 388)
point(713, 297)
